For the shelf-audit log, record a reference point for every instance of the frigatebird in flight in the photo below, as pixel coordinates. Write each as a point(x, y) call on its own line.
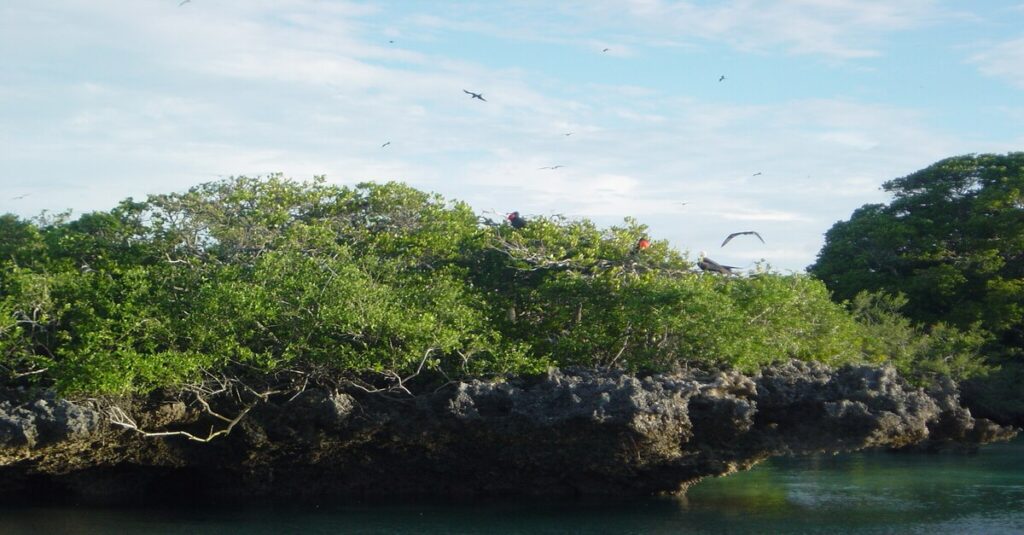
point(475, 95)
point(605, 50)
point(19, 197)
point(756, 174)
point(734, 234)
point(707, 264)
point(553, 167)
point(721, 78)
point(385, 145)
point(567, 134)
point(183, 2)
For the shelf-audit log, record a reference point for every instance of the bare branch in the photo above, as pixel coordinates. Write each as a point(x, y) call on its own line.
point(120, 418)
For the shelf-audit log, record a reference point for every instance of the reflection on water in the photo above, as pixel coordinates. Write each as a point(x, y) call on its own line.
point(860, 493)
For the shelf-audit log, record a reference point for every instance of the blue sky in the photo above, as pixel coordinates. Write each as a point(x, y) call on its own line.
point(826, 99)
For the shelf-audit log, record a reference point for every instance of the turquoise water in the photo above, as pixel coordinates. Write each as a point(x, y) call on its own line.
point(858, 493)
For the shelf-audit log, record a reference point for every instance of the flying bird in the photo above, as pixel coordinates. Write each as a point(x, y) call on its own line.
point(475, 95)
point(19, 197)
point(553, 167)
point(605, 50)
point(756, 174)
point(391, 42)
point(183, 2)
point(385, 145)
point(734, 234)
point(721, 78)
point(516, 220)
point(706, 264)
point(567, 134)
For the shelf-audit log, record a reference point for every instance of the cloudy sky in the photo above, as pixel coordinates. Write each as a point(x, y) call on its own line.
point(822, 101)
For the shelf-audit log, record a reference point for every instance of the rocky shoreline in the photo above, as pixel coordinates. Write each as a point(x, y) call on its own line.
point(569, 432)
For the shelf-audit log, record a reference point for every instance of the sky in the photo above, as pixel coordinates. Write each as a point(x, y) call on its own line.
point(822, 101)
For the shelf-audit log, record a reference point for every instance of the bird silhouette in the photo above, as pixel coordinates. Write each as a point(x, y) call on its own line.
point(385, 145)
point(567, 134)
point(19, 197)
point(183, 2)
point(734, 234)
point(553, 167)
point(707, 264)
point(721, 78)
point(605, 50)
point(475, 95)
point(756, 174)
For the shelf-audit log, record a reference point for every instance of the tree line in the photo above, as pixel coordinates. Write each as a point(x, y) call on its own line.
point(281, 283)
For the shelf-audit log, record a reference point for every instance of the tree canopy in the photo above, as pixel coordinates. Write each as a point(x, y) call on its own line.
point(292, 281)
point(951, 241)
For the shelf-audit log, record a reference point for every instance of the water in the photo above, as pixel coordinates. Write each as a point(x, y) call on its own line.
point(858, 493)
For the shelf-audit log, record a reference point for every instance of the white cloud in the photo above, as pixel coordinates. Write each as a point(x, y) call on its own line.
point(841, 29)
point(1004, 60)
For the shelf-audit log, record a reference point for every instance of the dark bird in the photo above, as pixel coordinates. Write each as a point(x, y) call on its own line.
point(641, 244)
point(605, 50)
point(385, 145)
point(721, 78)
point(756, 174)
point(183, 2)
point(391, 42)
point(734, 234)
point(567, 134)
point(553, 167)
point(19, 197)
point(475, 95)
point(516, 220)
point(707, 264)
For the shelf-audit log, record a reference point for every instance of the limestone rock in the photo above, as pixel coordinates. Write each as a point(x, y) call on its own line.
point(573, 431)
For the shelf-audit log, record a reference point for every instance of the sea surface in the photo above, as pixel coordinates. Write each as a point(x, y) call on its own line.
point(873, 492)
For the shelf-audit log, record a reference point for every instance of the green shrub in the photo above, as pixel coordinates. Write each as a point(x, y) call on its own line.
point(257, 278)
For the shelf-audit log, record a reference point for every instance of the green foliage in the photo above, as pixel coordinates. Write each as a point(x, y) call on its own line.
point(921, 354)
point(252, 278)
point(952, 241)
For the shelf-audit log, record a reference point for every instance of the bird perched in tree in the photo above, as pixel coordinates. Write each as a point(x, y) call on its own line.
point(734, 234)
point(642, 244)
point(473, 95)
point(707, 264)
point(516, 220)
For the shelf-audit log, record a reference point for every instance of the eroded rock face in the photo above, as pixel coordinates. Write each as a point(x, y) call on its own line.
point(45, 422)
point(569, 432)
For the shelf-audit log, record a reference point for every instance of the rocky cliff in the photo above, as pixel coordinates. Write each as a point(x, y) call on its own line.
point(568, 432)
